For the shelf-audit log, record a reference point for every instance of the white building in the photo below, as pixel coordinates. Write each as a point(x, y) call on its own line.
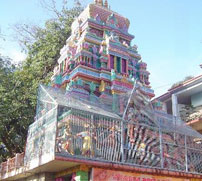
point(185, 101)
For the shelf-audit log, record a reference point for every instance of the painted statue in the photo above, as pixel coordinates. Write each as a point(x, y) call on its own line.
point(87, 141)
point(65, 142)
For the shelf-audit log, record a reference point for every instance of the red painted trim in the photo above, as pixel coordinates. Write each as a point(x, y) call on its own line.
point(128, 168)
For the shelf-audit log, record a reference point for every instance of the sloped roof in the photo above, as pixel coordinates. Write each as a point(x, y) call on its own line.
point(191, 82)
point(72, 100)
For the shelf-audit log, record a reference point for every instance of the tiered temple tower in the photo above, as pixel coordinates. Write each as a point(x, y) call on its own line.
point(98, 59)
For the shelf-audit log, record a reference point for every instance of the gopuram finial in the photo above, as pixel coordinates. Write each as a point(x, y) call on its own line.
point(106, 4)
point(100, 2)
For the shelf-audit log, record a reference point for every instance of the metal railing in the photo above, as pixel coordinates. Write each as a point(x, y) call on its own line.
point(12, 164)
point(90, 136)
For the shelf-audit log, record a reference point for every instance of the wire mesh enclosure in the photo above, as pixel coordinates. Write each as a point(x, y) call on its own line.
point(40, 145)
point(130, 132)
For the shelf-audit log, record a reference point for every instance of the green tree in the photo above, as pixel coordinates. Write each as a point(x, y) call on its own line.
point(16, 109)
point(18, 85)
point(6, 90)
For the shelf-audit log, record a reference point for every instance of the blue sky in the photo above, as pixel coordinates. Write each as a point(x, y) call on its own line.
point(168, 33)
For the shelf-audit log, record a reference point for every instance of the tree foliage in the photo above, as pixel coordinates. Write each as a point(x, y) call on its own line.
point(18, 84)
point(15, 110)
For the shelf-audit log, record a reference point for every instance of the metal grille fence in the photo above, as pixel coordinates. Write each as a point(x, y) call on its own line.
point(93, 136)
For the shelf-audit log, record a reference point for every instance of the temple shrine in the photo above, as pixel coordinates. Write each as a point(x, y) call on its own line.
point(95, 121)
point(98, 58)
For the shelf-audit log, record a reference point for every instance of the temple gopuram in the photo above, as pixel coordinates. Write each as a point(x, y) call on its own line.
point(98, 59)
point(95, 121)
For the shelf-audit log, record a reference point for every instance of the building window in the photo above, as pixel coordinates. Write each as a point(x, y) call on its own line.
point(91, 61)
point(111, 61)
point(86, 60)
point(123, 65)
point(118, 64)
point(98, 64)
